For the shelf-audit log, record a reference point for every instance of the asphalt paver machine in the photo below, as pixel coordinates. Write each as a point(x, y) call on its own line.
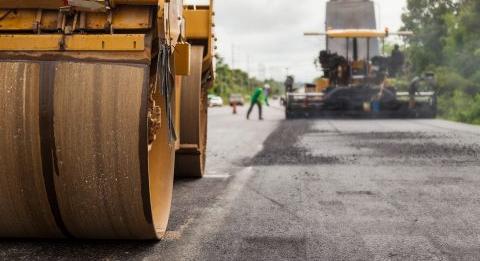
point(356, 76)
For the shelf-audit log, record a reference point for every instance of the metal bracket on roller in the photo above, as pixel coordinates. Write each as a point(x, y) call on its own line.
point(88, 5)
point(154, 121)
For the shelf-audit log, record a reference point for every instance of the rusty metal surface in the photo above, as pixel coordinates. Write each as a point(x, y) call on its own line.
point(200, 30)
point(123, 18)
point(190, 159)
point(98, 135)
point(56, 42)
point(25, 210)
point(55, 4)
point(76, 122)
point(46, 4)
point(80, 165)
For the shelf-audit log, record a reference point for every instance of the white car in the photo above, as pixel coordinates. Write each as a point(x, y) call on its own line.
point(215, 101)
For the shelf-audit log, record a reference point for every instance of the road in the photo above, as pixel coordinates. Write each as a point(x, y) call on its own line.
point(313, 190)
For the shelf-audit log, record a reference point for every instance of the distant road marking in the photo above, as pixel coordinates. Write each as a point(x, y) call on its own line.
point(217, 176)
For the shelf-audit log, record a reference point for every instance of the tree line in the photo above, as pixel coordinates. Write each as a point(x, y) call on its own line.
point(230, 81)
point(446, 41)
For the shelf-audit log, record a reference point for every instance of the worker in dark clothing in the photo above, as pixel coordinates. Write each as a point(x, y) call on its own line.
point(289, 84)
point(413, 90)
point(425, 81)
point(397, 61)
point(258, 98)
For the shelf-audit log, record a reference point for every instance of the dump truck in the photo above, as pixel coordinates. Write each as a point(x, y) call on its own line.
point(92, 107)
point(357, 77)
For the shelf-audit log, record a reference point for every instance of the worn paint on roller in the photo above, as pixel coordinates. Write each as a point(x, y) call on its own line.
point(24, 205)
point(47, 141)
point(74, 152)
point(97, 115)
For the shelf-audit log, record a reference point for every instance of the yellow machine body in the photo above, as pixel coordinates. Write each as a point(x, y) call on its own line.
point(183, 59)
point(356, 33)
point(119, 42)
point(43, 26)
point(89, 109)
point(200, 31)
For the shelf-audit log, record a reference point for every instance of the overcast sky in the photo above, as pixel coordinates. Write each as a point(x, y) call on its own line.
point(267, 36)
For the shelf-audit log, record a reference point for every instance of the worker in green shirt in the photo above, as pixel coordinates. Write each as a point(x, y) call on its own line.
point(258, 98)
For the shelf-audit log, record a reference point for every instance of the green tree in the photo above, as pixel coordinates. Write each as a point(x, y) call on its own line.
point(230, 81)
point(428, 21)
point(447, 41)
point(462, 45)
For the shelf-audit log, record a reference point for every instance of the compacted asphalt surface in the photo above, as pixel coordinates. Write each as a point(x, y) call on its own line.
point(313, 190)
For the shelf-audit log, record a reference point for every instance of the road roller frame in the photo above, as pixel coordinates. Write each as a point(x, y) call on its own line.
point(199, 31)
point(88, 102)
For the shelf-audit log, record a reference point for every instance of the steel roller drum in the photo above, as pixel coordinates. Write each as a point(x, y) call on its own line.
point(74, 157)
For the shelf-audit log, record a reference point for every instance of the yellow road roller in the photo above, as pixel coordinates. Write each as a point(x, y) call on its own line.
point(91, 115)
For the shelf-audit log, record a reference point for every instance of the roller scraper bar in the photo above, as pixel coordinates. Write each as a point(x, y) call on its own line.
point(85, 25)
point(56, 4)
